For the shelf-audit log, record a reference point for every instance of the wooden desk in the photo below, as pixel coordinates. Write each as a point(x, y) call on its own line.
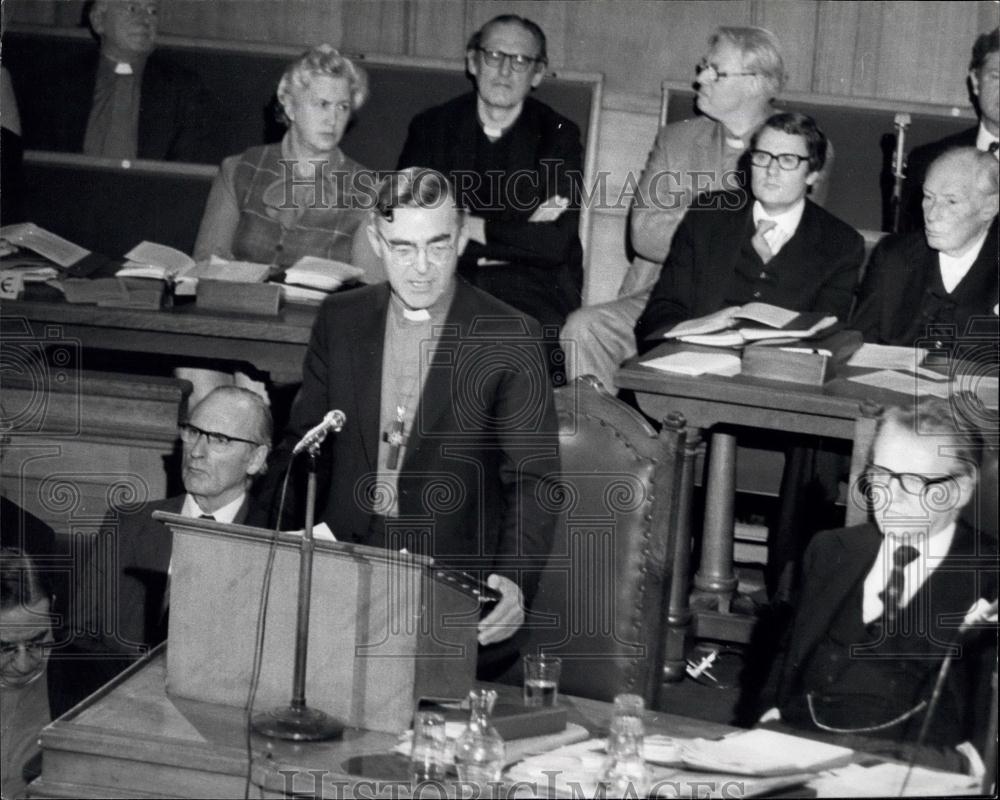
point(132, 739)
point(271, 344)
point(708, 402)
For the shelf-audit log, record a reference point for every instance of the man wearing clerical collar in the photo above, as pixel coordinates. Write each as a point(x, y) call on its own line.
point(451, 433)
point(881, 603)
point(941, 283)
point(517, 168)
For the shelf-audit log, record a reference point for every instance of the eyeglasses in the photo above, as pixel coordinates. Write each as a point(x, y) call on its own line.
point(709, 73)
point(912, 482)
point(135, 9)
point(787, 161)
point(16, 672)
point(518, 62)
point(219, 441)
point(405, 255)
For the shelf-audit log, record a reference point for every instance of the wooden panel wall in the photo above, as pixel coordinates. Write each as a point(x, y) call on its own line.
point(892, 50)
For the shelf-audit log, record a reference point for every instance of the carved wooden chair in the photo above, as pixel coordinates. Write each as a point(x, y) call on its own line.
point(603, 602)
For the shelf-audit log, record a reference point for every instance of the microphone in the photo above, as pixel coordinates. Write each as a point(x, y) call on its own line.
point(333, 421)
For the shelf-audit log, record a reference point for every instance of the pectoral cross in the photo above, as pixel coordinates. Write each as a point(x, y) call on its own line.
point(396, 438)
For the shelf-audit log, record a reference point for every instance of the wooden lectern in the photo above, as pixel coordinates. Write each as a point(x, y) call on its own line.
point(382, 631)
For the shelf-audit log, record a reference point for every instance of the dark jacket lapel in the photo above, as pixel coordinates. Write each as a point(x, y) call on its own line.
point(364, 374)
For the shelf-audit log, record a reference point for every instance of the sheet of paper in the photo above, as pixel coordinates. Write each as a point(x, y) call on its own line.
point(321, 533)
point(171, 259)
point(691, 363)
point(763, 752)
point(709, 323)
point(55, 248)
point(903, 384)
point(886, 780)
point(881, 356)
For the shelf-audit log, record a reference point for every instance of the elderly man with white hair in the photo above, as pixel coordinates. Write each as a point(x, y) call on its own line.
point(942, 278)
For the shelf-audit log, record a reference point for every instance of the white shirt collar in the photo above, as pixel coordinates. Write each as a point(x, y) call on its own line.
point(984, 139)
point(931, 552)
point(954, 268)
point(787, 223)
point(226, 514)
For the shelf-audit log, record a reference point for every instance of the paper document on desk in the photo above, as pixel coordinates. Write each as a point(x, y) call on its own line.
point(903, 384)
point(55, 248)
point(882, 356)
point(763, 752)
point(886, 780)
point(696, 363)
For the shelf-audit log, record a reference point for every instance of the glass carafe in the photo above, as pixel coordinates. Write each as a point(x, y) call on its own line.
point(480, 751)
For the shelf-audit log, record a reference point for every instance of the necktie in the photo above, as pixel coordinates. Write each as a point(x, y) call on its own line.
point(893, 590)
point(758, 241)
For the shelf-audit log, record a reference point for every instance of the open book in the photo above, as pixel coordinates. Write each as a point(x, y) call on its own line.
point(734, 326)
point(324, 274)
point(158, 261)
point(45, 243)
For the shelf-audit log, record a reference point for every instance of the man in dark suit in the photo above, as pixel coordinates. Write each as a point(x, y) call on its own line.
point(939, 283)
point(881, 604)
point(451, 432)
point(225, 445)
point(984, 81)
point(123, 100)
point(780, 248)
point(517, 166)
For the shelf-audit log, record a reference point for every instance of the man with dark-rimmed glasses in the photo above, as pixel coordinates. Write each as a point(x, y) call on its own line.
point(881, 603)
point(517, 168)
point(225, 443)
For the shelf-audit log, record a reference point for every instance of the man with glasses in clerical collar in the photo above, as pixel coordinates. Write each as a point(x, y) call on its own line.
point(451, 432)
point(881, 603)
point(774, 246)
point(517, 167)
point(225, 444)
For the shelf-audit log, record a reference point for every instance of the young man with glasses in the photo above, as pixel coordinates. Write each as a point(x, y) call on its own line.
point(451, 431)
point(736, 81)
point(225, 444)
point(775, 246)
point(881, 604)
point(517, 166)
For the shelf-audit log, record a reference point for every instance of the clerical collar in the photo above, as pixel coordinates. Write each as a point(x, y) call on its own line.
point(120, 67)
point(492, 129)
point(436, 312)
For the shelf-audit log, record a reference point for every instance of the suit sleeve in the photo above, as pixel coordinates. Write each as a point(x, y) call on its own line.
point(221, 217)
point(673, 295)
point(659, 204)
point(868, 308)
point(307, 410)
point(559, 170)
point(530, 459)
point(837, 292)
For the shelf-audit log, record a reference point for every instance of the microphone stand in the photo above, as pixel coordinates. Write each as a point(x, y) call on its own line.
point(297, 721)
point(901, 123)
